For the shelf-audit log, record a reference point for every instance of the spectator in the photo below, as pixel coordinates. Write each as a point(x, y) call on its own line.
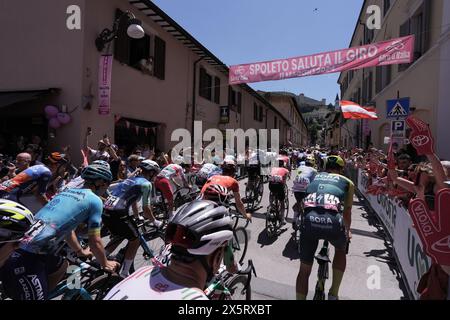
point(133, 165)
point(36, 153)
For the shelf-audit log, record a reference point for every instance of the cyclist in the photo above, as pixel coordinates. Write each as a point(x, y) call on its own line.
point(327, 215)
point(116, 216)
point(171, 177)
point(36, 258)
point(287, 161)
point(26, 181)
point(277, 185)
point(228, 181)
point(198, 233)
point(78, 182)
point(207, 171)
point(15, 221)
point(254, 167)
point(305, 175)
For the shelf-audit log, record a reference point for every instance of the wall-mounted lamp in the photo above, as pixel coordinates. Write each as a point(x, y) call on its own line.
point(134, 30)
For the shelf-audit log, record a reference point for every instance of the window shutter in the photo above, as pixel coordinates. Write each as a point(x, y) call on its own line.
point(239, 101)
point(217, 90)
point(405, 30)
point(160, 58)
point(122, 42)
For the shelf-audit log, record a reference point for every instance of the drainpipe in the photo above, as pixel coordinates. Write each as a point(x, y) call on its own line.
point(194, 96)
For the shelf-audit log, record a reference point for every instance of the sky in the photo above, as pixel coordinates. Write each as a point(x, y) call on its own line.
point(245, 31)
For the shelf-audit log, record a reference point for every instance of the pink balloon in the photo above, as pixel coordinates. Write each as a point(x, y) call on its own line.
point(63, 118)
point(54, 123)
point(51, 111)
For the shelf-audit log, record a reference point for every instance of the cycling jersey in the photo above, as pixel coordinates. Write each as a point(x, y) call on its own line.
point(286, 160)
point(305, 175)
point(76, 183)
point(172, 172)
point(228, 182)
point(148, 283)
point(330, 191)
point(62, 215)
point(278, 175)
point(258, 157)
point(208, 170)
point(25, 182)
point(125, 193)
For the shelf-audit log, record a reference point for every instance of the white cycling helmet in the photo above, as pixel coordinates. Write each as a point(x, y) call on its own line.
point(149, 165)
point(200, 227)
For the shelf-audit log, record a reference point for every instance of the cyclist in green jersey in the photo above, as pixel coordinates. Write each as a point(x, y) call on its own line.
point(327, 215)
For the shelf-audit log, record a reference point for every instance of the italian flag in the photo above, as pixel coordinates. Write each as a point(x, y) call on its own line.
point(352, 110)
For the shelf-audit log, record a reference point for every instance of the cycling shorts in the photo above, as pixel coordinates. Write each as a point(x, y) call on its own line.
point(253, 170)
point(319, 224)
point(164, 186)
point(25, 275)
point(299, 196)
point(119, 223)
point(278, 190)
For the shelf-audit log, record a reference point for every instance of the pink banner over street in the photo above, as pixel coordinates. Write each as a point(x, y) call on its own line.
point(395, 51)
point(104, 84)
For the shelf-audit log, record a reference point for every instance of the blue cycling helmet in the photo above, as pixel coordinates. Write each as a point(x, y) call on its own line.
point(95, 172)
point(101, 163)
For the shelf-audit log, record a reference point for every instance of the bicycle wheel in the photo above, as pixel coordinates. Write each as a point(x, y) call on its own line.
point(100, 286)
point(260, 192)
point(237, 287)
point(249, 197)
point(239, 244)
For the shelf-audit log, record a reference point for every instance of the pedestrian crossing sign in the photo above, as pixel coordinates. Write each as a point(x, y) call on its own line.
point(398, 108)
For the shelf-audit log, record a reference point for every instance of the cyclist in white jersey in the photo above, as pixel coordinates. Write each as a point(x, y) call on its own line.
point(199, 234)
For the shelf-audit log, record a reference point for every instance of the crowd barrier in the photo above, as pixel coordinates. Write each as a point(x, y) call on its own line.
point(408, 249)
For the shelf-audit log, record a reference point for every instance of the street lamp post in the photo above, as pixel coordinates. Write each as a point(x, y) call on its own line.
point(134, 30)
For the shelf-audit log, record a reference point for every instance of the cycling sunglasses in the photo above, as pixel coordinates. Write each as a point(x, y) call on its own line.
point(181, 236)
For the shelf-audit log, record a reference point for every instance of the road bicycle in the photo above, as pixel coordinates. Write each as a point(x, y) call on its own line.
point(254, 192)
point(274, 214)
point(229, 286)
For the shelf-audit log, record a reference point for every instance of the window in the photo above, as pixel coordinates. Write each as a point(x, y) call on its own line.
point(275, 122)
point(419, 25)
point(205, 88)
point(255, 111)
point(387, 5)
point(160, 58)
point(261, 114)
point(383, 78)
point(239, 102)
point(137, 53)
point(217, 90)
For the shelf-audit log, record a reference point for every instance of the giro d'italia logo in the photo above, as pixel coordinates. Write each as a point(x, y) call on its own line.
point(419, 141)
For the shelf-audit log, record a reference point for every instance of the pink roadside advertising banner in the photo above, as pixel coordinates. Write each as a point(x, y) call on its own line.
point(104, 84)
point(395, 51)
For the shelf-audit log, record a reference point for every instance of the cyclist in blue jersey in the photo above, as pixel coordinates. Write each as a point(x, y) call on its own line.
point(35, 268)
point(116, 215)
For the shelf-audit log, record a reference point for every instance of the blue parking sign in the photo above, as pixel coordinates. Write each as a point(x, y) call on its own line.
point(398, 108)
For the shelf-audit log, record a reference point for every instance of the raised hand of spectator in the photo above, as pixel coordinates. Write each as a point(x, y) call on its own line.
point(434, 227)
point(421, 137)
